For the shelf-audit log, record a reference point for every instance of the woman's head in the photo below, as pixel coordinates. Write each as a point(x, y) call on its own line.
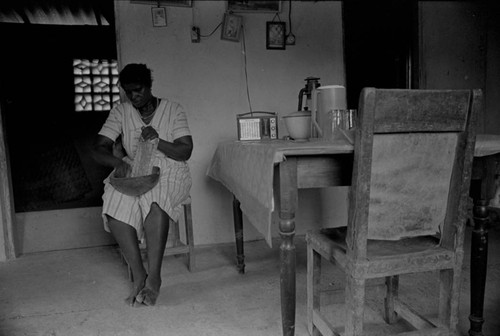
point(136, 74)
point(136, 80)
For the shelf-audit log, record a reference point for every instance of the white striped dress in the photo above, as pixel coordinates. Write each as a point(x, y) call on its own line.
point(175, 182)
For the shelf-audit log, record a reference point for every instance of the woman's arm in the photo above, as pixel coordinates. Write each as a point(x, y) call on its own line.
point(103, 153)
point(179, 150)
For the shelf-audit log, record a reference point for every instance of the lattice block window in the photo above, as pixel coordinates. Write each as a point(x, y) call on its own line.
point(96, 84)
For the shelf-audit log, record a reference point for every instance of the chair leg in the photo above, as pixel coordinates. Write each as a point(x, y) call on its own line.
point(188, 220)
point(175, 232)
point(355, 305)
point(449, 294)
point(392, 286)
point(313, 281)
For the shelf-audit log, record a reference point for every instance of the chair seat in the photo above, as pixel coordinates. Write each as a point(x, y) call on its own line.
point(384, 258)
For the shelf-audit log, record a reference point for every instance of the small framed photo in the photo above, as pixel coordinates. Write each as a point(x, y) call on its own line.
point(159, 16)
point(254, 6)
point(231, 27)
point(275, 35)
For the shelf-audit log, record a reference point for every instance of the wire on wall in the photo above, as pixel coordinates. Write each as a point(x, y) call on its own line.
point(290, 38)
point(243, 45)
point(195, 27)
point(213, 31)
point(193, 23)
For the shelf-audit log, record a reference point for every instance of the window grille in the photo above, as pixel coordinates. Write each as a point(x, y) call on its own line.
point(96, 84)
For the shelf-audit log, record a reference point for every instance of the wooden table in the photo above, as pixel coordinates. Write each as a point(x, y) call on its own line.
point(288, 166)
point(484, 187)
point(262, 171)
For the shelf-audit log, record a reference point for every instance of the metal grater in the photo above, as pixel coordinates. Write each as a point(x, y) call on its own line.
point(144, 157)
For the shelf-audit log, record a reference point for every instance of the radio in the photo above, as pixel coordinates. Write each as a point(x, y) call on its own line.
point(257, 125)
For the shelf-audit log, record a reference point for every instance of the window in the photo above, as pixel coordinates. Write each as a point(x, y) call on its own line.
point(96, 84)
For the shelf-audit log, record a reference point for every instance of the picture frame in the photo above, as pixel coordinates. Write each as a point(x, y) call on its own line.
point(231, 27)
point(159, 15)
point(275, 35)
point(174, 3)
point(256, 6)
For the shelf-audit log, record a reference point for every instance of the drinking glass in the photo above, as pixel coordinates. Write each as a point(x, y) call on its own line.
point(343, 122)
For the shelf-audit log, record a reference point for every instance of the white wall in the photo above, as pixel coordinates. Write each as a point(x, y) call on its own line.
point(208, 78)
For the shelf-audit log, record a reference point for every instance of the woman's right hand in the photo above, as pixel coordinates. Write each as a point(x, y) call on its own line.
point(103, 154)
point(122, 169)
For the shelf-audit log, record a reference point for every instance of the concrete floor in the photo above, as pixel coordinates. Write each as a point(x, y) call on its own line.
point(80, 293)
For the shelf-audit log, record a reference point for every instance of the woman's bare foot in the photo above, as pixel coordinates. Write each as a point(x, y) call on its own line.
point(147, 296)
point(137, 286)
point(150, 292)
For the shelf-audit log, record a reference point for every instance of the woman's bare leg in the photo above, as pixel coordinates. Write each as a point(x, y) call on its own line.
point(126, 237)
point(156, 228)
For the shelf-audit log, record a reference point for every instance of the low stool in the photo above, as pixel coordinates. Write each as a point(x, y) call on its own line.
point(178, 247)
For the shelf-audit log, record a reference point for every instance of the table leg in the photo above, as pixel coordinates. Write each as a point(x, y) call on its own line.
point(478, 266)
point(288, 204)
point(238, 234)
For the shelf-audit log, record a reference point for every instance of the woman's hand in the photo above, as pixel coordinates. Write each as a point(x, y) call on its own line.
point(122, 169)
point(149, 133)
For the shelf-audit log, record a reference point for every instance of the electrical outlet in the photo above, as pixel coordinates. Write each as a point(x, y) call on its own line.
point(290, 39)
point(195, 34)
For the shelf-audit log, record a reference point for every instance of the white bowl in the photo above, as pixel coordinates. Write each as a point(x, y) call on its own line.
point(298, 125)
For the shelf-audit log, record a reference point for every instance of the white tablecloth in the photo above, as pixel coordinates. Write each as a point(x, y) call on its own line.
point(246, 169)
point(487, 144)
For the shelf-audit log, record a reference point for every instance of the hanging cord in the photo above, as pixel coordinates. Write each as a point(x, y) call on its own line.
point(290, 35)
point(290, 16)
point(192, 15)
point(213, 31)
point(243, 44)
point(277, 15)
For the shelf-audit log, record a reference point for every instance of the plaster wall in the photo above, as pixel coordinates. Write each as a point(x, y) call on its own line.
point(459, 48)
point(210, 80)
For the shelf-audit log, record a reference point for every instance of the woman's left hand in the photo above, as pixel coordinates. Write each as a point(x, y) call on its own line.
point(149, 133)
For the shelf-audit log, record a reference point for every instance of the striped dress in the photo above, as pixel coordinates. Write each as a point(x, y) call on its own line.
point(175, 182)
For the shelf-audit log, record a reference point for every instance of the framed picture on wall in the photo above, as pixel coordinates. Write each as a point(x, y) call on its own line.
point(275, 35)
point(159, 16)
point(231, 27)
point(254, 6)
point(175, 3)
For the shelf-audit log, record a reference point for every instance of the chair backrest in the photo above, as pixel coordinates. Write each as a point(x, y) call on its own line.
point(413, 157)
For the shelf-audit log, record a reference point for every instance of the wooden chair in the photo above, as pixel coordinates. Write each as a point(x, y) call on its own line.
point(178, 247)
point(413, 156)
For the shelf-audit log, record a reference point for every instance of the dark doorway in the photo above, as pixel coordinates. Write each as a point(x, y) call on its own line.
point(48, 142)
point(380, 45)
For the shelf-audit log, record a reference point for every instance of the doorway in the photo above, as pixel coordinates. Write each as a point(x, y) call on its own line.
point(380, 45)
point(47, 140)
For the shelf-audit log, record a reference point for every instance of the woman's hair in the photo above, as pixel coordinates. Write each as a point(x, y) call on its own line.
point(136, 73)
